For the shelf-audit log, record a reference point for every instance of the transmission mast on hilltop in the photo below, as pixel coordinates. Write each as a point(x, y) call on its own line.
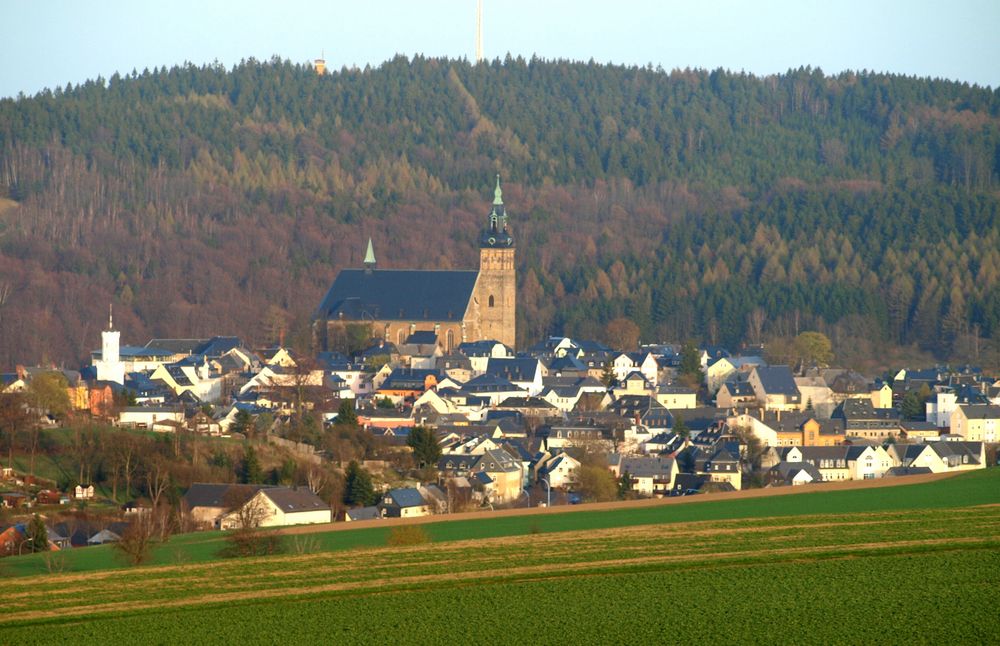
point(479, 31)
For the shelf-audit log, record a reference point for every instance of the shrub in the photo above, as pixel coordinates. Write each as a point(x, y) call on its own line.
point(252, 542)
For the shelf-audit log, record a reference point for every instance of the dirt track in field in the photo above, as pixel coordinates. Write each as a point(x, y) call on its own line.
point(628, 504)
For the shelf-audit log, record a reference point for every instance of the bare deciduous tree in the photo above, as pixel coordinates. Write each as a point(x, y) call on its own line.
point(248, 512)
point(136, 543)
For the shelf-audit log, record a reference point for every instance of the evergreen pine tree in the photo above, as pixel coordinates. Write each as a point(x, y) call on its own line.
point(608, 376)
point(358, 488)
point(38, 535)
point(346, 416)
point(426, 449)
point(250, 469)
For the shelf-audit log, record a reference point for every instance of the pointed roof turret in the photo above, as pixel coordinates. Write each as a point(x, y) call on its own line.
point(496, 233)
point(370, 256)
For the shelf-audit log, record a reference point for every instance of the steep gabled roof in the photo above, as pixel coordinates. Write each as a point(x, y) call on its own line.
point(980, 411)
point(293, 501)
point(513, 369)
point(410, 378)
point(398, 295)
point(788, 470)
point(407, 497)
point(489, 383)
point(207, 494)
point(777, 380)
point(363, 513)
point(739, 388)
point(218, 346)
point(647, 467)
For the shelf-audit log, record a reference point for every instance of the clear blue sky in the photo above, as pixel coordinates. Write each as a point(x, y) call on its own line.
point(51, 42)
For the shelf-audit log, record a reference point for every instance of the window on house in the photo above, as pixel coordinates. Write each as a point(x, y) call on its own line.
point(491, 300)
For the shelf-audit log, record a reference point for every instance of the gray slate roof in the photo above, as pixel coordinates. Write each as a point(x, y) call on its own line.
point(978, 411)
point(364, 513)
point(408, 497)
point(293, 501)
point(206, 494)
point(788, 470)
point(777, 380)
point(647, 467)
point(422, 337)
point(517, 369)
point(398, 295)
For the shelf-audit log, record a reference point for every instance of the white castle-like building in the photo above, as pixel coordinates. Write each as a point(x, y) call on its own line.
point(110, 367)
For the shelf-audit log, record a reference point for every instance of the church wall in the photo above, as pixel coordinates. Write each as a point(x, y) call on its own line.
point(397, 331)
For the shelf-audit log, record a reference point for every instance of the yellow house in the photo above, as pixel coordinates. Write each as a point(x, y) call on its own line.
point(881, 396)
point(977, 423)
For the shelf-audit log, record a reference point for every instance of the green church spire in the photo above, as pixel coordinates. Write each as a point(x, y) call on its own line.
point(498, 194)
point(370, 255)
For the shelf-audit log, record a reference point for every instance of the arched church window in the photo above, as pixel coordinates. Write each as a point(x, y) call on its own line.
point(450, 342)
point(491, 300)
point(399, 337)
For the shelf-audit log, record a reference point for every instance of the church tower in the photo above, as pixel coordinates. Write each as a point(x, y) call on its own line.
point(496, 288)
point(110, 366)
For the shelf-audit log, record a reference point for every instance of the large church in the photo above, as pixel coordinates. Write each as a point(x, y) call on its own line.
point(457, 306)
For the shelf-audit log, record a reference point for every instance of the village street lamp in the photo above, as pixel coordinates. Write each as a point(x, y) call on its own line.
point(548, 489)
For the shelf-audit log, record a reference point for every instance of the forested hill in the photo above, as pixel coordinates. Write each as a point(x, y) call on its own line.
point(706, 205)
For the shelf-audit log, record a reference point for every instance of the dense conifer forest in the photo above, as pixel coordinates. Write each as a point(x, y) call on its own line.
point(705, 205)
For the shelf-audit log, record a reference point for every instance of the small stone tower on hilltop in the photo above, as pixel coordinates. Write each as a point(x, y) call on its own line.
point(497, 286)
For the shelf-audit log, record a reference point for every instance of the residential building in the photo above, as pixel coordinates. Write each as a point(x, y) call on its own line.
point(976, 423)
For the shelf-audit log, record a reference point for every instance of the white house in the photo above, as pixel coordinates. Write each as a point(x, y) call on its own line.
point(480, 353)
point(146, 417)
point(279, 506)
point(190, 375)
point(940, 456)
point(868, 462)
point(648, 476)
point(565, 392)
point(674, 397)
point(622, 365)
point(560, 471)
point(940, 407)
point(726, 369)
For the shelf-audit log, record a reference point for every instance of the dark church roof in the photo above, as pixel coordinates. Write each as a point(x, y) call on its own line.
point(398, 295)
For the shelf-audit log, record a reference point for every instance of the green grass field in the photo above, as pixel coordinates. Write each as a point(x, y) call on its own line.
point(972, 488)
point(885, 577)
